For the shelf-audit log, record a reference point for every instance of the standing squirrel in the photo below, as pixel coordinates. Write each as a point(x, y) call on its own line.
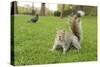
point(65, 39)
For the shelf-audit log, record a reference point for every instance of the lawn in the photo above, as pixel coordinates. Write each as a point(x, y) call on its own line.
point(32, 41)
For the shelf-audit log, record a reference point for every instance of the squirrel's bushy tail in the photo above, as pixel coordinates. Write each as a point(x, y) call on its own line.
point(76, 24)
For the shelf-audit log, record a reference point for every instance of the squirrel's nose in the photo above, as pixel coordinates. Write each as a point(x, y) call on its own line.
point(59, 37)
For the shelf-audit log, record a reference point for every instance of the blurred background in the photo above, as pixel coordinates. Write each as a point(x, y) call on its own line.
point(49, 9)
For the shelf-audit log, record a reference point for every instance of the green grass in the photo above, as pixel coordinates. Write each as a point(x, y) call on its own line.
point(33, 41)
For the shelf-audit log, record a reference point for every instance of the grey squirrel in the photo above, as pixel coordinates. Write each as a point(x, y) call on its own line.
point(65, 39)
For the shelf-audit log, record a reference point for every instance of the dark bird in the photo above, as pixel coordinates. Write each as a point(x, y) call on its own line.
point(34, 19)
